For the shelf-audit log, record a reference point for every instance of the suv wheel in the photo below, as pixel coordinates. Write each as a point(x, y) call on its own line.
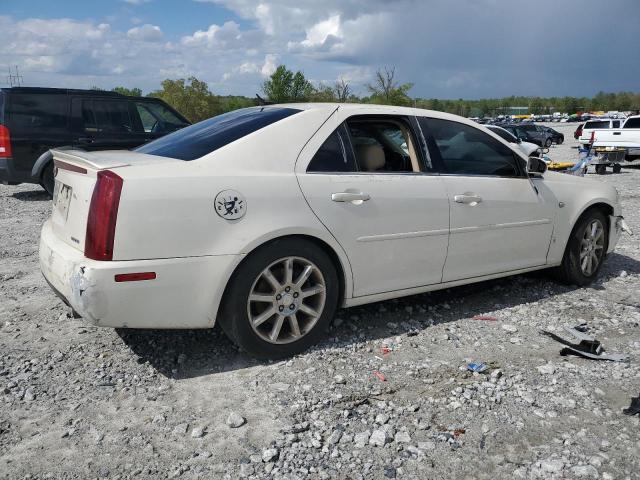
point(281, 299)
point(47, 181)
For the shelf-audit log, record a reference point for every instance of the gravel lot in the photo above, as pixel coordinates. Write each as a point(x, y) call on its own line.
point(82, 402)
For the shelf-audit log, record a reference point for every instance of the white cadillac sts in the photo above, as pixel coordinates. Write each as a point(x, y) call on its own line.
point(267, 219)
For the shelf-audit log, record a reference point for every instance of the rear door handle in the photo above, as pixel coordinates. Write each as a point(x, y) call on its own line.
point(86, 140)
point(355, 197)
point(468, 199)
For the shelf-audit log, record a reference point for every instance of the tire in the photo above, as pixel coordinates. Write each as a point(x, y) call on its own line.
point(548, 142)
point(572, 270)
point(601, 169)
point(249, 323)
point(47, 180)
point(617, 168)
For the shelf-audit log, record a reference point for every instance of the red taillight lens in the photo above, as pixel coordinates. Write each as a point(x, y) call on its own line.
point(103, 213)
point(135, 277)
point(5, 142)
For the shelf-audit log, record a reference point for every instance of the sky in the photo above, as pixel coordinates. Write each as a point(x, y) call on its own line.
point(446, 48)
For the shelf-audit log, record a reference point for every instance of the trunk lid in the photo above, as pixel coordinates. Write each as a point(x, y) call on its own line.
point(75, 179)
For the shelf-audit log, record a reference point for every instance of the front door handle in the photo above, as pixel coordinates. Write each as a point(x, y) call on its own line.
point(86, 140)
point(468, 198)
point(354, 197)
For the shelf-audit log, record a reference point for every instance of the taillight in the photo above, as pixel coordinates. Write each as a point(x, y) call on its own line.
point(5, 142)
point(103, 213)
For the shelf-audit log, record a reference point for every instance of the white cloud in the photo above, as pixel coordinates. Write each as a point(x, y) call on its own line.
point(321, 31)
point(136, 2)
point(145, 33)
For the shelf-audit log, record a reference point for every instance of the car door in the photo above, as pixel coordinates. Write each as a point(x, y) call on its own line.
point(366, 178)
point(105, 123)
point(500, 220)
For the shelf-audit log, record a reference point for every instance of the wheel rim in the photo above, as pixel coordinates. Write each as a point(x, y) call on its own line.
point(592, 247)
point(286, 300)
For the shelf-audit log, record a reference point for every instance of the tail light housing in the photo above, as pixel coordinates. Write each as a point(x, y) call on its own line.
point(5, 142)
point(103, 215)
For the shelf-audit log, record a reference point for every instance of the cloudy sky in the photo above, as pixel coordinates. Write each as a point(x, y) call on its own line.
point(447, 48)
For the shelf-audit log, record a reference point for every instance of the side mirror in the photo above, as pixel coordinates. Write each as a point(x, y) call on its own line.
point(536, 166)
point(519, 140)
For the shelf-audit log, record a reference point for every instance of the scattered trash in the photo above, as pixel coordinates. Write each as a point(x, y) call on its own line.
point(588, 347)
point(459, 431)
point(487, 318)
point(634, 408)
point(380, 376)
point(379, 358)
point(477, 367)
point(385, 350)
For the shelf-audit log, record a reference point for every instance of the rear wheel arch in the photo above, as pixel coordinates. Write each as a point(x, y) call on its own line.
point(341, 271)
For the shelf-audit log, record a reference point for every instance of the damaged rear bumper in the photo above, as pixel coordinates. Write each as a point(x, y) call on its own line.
point(185, 293)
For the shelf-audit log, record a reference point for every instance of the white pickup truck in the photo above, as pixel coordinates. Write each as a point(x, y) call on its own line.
point(627, 137)
point(597, 124)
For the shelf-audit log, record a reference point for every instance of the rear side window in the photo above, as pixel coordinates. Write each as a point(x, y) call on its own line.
point(38, 111)
point(503, 134)
point(601, 124)
point(616, 123)
point(209, 135)
point(106, 116)
point(632, 123)
point(466, 150)
point(335, 154)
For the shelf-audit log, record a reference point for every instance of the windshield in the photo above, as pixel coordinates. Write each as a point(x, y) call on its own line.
point(209, 135)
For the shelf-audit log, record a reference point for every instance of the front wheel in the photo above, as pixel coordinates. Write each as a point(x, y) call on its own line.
point(585, 250)
point(548, 142)
point(281, 299)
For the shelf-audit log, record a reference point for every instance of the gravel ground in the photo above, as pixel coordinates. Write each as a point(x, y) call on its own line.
point(387, 394)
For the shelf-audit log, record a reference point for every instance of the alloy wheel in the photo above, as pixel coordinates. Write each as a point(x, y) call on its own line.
point(286, 300)
point(592, 247)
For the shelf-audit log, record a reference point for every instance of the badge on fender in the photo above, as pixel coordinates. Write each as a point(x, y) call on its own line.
point(230, 204)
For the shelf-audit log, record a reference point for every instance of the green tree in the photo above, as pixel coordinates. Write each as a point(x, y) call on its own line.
point(190, 97)
point(130, 92)
point(285, 86)
point(387, 91)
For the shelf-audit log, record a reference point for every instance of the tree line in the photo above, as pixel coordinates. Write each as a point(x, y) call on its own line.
point(194, 100)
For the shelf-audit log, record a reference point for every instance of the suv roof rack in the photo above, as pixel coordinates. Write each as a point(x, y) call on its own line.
point(62, 91)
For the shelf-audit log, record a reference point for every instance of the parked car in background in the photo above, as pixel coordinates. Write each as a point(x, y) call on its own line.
point(34, 120)
point(528, 132)
point(526, 147)
point(269, 218)
point(556, 136)
point(627, 137)
point(578, 131)
point(590, 126)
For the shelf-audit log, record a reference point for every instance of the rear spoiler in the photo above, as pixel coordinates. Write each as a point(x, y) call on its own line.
point(93, 160)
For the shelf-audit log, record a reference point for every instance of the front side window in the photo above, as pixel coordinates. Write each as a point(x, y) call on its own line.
point(335, 154)
point(156, 118)
point(503, 134)
point(209, 135)
point(466, 150)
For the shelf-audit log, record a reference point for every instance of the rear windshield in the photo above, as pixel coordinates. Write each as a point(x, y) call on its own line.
point(209, 135)
point(601, 124)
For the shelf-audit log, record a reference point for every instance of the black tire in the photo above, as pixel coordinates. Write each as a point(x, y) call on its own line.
point(617, 168)
point(571, 271)
point(234, 316)
point(47, 180)
point(601, 169)
point(548, 142)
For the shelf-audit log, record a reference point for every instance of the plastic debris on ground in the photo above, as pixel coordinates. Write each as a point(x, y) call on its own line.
point(634, 408)
point(487, 318)
point(478, 367)
point(588, 346)
point(380, 376)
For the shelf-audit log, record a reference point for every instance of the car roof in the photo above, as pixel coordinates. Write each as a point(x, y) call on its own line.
point(60, 91)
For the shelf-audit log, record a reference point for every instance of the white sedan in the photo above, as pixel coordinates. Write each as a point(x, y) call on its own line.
point(267, 219)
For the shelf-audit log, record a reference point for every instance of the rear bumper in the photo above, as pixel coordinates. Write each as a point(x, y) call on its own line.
point(186, 292)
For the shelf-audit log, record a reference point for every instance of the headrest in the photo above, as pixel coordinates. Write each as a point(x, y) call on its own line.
point(370, 157)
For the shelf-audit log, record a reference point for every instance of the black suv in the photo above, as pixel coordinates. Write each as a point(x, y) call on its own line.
point(528, 132)
point(33, 120)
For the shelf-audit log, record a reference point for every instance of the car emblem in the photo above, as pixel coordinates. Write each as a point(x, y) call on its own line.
point(230, 205)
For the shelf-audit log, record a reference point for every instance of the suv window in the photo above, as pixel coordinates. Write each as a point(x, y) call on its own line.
point(503, 134)
point(209, 135)
point(597, 124)
point(156, 118)
point(383, 146)
point(466, 150)
point(615, 123)
point(335, 154)
point(632, 123)
point(106, 116)
point(38, 111)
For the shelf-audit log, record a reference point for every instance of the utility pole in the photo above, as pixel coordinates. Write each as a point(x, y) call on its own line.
point(14, 79)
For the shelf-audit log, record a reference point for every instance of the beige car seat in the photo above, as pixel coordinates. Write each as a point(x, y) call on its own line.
point(370, 157)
